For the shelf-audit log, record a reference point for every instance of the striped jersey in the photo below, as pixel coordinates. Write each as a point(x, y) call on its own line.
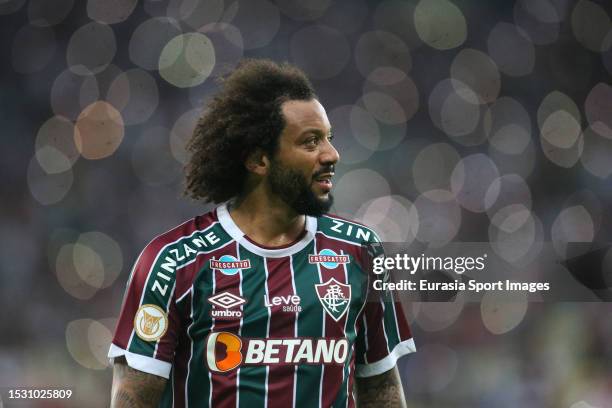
point(231, 323)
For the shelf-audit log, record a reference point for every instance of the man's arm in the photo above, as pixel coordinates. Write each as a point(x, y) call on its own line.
point(133, 388)
point(383, 390)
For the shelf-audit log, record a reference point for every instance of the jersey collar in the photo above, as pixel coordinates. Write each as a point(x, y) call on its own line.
point(232, 229)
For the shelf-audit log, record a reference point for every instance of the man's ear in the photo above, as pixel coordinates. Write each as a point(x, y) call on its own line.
point(257, 162)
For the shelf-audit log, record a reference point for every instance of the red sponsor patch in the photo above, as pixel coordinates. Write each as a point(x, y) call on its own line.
point(216, 264)
point(342, 259)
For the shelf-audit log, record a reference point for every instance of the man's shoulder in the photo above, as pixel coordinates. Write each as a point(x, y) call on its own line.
point(193, 230)
point(344, 229)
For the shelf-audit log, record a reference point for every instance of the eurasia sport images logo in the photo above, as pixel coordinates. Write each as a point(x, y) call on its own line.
point(229, 265)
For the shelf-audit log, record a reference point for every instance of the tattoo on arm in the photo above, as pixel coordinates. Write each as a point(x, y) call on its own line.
point(383, 390)
point(133, 388)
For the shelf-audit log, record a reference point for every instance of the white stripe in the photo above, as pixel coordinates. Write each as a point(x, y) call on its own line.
point(180, 298)
point(267, 329)
point(295, 329)
point(386, 363)
point(239, 325)
point(323, 331)
point(365, 338)
point(365, 331)
point(348, 312)
point(349, 392)
point(365, 302)
point(346, 281)
point(140, 362)
point(382, 321)
point(191, 350)
point(144, 289)
point(399, 336)
point(167, 313)
point(184, 294)
point(212, 325)
point(240, 272)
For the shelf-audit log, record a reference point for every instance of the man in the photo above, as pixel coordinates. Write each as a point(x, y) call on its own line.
point(261, 302)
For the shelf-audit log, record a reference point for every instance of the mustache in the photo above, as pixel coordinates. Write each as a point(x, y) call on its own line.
point(324, 170)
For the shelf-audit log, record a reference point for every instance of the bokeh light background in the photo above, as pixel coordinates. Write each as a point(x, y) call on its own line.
point(456, 121)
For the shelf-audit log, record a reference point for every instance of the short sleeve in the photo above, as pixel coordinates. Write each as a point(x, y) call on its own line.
point(384, 334)
point(148, 325)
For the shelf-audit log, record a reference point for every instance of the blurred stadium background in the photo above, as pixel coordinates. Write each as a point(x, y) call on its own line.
point(456, 121)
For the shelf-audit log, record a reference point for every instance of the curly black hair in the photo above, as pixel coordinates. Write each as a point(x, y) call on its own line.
point(244, 115)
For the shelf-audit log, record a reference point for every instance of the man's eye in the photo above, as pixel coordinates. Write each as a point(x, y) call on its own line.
point(311, 141)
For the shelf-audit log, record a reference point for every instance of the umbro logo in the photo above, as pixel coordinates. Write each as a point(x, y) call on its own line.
point(223, 305)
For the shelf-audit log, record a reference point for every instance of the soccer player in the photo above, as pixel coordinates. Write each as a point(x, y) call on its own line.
point(264, 301)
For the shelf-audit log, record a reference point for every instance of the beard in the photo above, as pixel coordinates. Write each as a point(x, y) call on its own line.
point(295, 190)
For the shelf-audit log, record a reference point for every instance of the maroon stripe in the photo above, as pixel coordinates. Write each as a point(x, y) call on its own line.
point(143, 265)
point(332, 376)
point(376, 343)
point(351, 401)
point(282, 325)
point(224, 385)
point(186, 275)
point(167, 344)
point(181, 359)
point(402, 322)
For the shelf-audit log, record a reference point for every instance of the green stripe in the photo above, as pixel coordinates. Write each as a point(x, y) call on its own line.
point(346, 230)
point(252, 379)
point(389, 318)
point(166, 398)
point(358, 281)
point(162, 277)
point(310, 324)
point(198, 384)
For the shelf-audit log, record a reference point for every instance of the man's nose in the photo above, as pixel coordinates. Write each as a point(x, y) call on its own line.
point(329, 155)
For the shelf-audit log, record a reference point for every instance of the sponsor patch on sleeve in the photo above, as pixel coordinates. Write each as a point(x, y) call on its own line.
point(150, 322)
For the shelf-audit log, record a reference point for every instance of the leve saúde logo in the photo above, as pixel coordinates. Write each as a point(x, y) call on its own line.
point(150, 322)
point(229, 265)
point(335, 297)
point(328, 259)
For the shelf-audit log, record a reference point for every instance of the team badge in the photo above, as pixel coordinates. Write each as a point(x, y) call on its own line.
point(328, 259)
point(223, 303)
point(229, 265)
point(150, 322)
point(335, 297)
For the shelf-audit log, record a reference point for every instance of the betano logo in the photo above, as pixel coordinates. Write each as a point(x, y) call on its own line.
point(224, 351)
point(328, 258)
point(229, 265)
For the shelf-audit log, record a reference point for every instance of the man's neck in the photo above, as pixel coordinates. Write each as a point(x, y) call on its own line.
point(267, 221)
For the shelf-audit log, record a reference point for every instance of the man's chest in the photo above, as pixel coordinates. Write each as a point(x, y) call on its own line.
point(278, 297)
